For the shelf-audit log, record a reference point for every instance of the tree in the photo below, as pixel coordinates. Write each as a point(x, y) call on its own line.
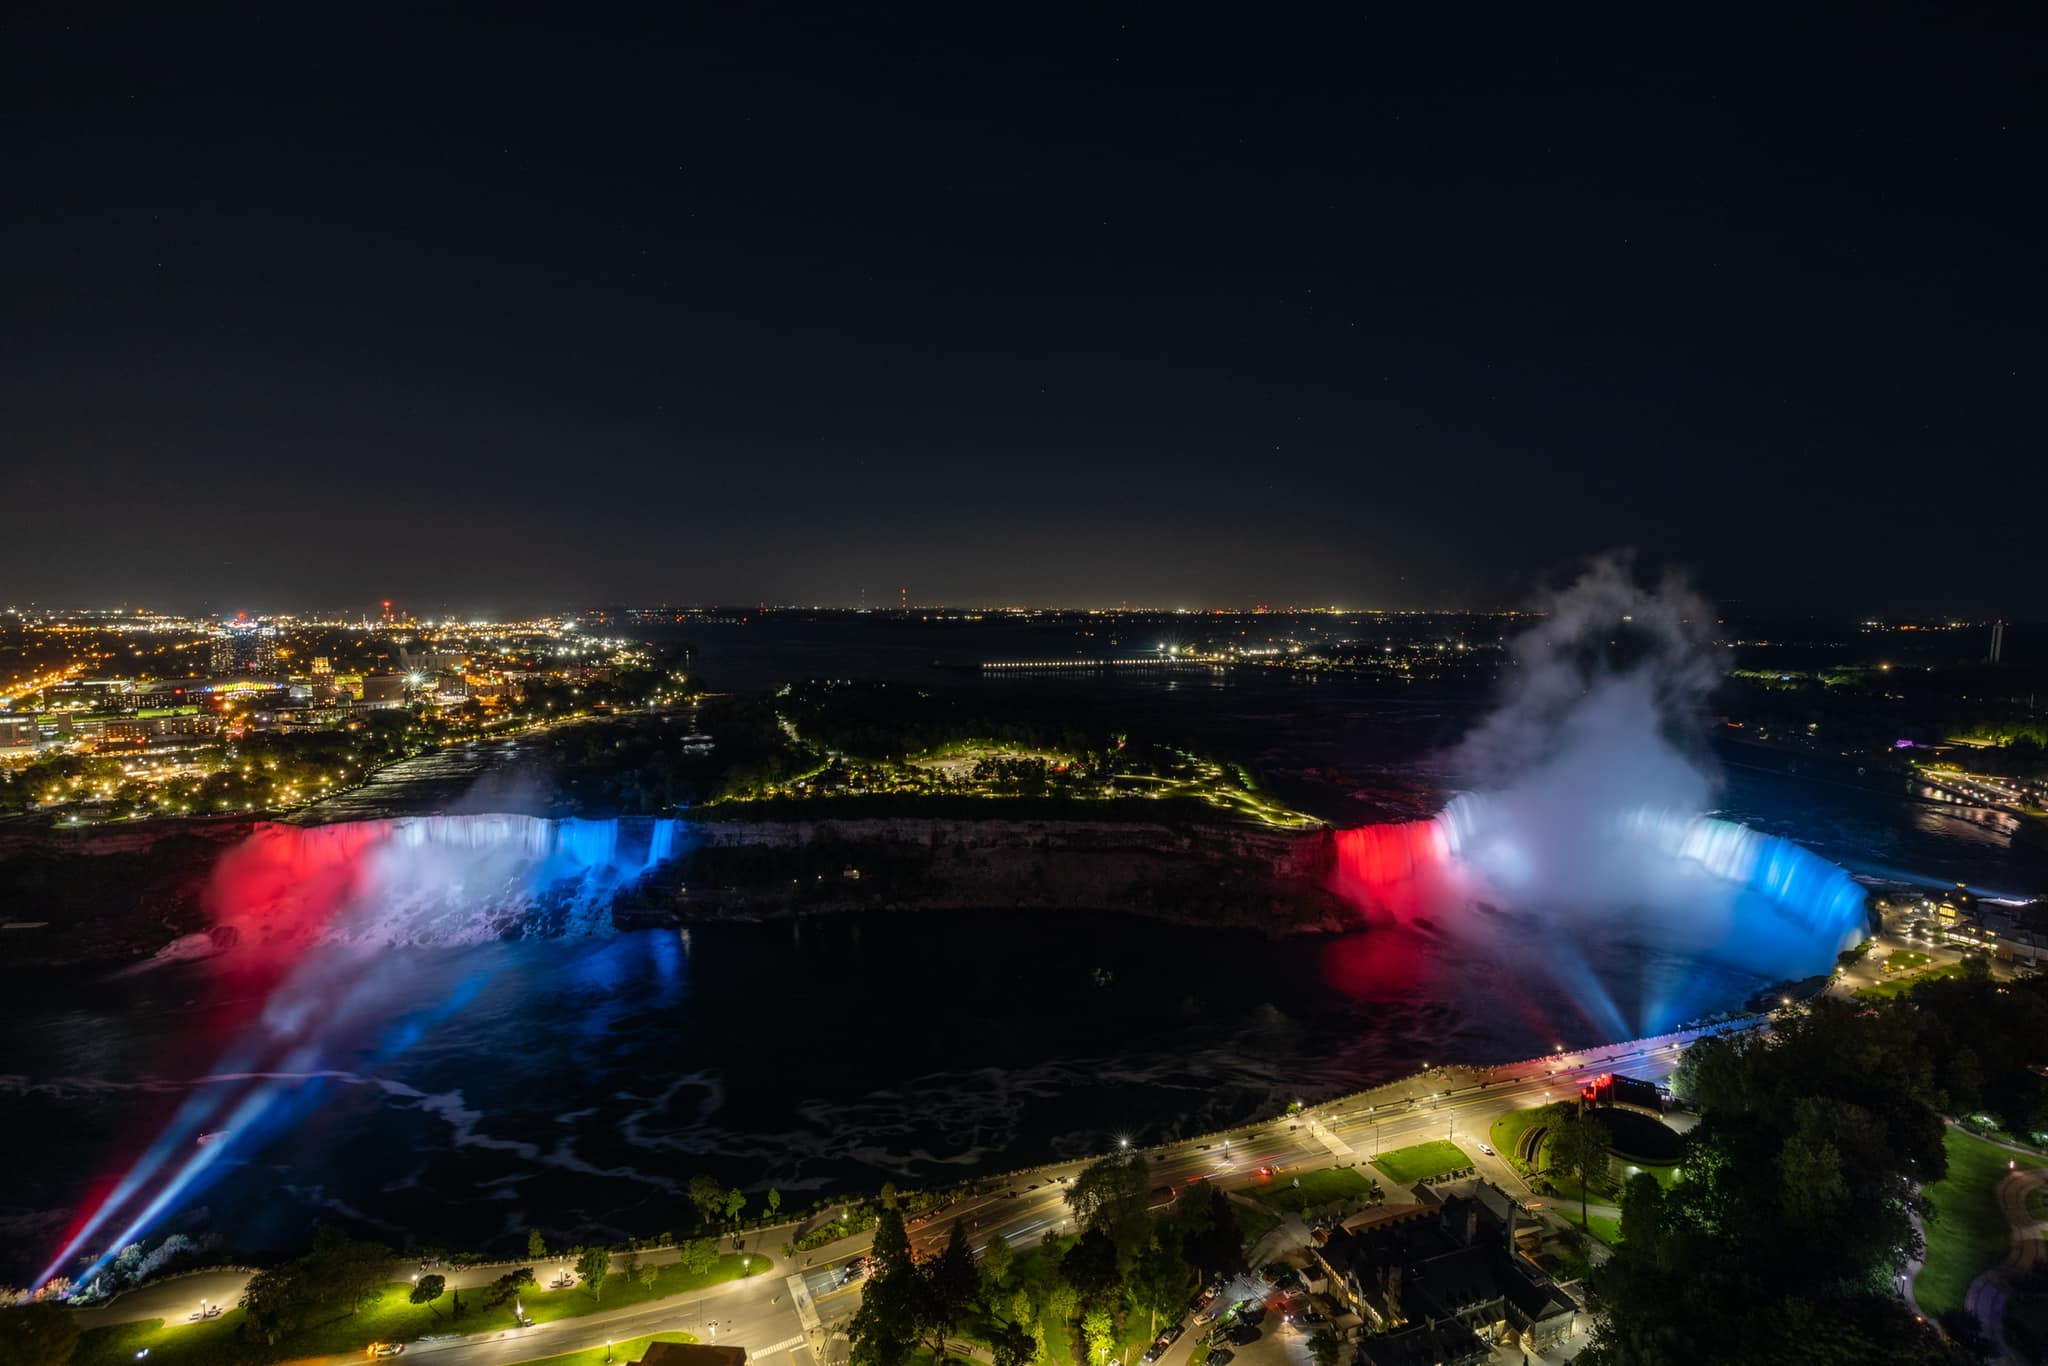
point(594, 1265)
point(996, 1261)
point(1325, 1346)
point(884, 1330)
point(1799, 1185)
point(1159, 1283)
point(43, 1334)
point(1112, 1194)
point(774, 1202)
point(1090, 1266)
point(699, 1255)
point(1642, 1210)
point(1012, 1344)
point(950, 1281)
point(735, 1201)
point(426, 1290)
point(506, 1286)
point(708, 1195)
point(1579, 1147)
point(1098, 1329)
point(1062, 1307)
point(536, 1246)
point(340, 1269)
point(276, 1303)
point(1210, 1239)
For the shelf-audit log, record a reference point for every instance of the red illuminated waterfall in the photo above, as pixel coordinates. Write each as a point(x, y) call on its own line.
point(1391, 869)
point(281, 887)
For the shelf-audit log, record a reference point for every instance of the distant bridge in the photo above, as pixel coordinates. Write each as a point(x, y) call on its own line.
point(1094, 665)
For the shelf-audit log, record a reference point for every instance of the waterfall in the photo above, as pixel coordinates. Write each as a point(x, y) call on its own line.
point(434, 880)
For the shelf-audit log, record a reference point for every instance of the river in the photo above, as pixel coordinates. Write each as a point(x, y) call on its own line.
point(459, 1096)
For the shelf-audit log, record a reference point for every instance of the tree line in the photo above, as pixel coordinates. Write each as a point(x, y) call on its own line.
point(1071, 1299)
point(1799, 1190)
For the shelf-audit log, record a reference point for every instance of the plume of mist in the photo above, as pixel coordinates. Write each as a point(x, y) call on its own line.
point(1604, 697)
point(1600, 719)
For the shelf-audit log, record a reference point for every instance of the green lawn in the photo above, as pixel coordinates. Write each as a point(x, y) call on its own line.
point(390, 1316)
point(1967, 1234)
point(1319, 1187)
point(625, 1349)
point(1899, 986)
point(545, 1306)
point(1253, 1223)
point(1412, 1164)
point(183, 1344)
point(1507, 1131)
point(1605, 1227)
point(1906, 960)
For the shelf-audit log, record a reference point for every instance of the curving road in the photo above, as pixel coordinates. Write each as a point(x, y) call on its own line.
point(799, 1309)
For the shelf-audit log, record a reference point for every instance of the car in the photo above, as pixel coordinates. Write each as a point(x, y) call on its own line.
point(1205, 1315)
point(1171, 1336)
point(1151, 1354)
point(1313, 1315)
point(1486, 1148)
point(1244, 1334)
point(386, 1349)
point(1220, 1357)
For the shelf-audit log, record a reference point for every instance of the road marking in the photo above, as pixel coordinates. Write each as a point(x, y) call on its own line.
point(806, 1309)
point(787, 1344)
point(1337, 1146)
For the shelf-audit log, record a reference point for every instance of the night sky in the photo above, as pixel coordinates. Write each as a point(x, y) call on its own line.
point(1016, 304)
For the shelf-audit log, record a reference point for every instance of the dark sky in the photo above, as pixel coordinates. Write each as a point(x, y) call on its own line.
point(1008, 303)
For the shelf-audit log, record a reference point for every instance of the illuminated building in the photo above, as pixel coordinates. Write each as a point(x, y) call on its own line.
point(244, 647)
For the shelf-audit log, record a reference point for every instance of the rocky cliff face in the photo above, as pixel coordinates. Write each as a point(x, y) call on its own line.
point(107, 893)
point(1204, 874)
point(124, 893)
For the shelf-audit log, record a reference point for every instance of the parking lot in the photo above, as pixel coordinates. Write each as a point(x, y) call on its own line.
point(1240, 1339)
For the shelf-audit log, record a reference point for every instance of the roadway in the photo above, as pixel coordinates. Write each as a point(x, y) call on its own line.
point(787, 1310)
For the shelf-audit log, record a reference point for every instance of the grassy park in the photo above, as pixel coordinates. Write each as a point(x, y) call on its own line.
point(1967, 1234)
point(1298, 1191)
point(389, 1315)
point(1510, 1129)
point(1900, 983)
point(1418, 1162)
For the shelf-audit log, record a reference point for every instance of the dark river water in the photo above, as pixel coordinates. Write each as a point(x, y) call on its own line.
point(459, 1096)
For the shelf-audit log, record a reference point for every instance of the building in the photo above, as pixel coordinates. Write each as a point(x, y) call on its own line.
point(1628, 1093)
point(164, 725)
point(384, 690)
point(1436, 1282)
point(244, 647)
point(1431, 1343)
